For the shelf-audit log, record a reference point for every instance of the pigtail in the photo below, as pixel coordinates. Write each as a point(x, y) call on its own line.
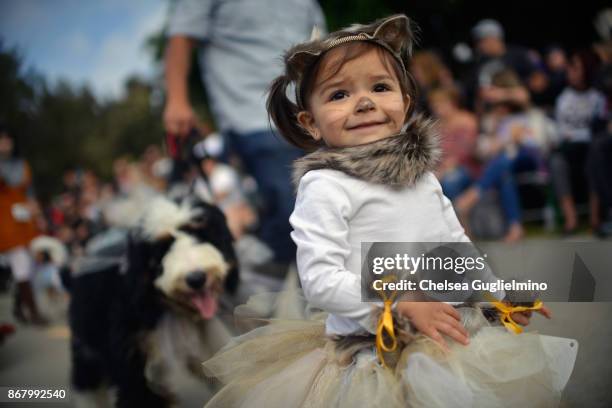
point(283, 113)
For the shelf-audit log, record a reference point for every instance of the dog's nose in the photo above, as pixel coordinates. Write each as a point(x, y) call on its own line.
point(195, 280)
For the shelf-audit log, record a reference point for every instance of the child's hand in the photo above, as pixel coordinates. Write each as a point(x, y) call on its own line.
point(523, 318)
point(434, 319)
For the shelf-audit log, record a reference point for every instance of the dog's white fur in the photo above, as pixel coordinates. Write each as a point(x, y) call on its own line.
point(187, 255)
point(164, 217)
point(157, 215)
point(126, 212)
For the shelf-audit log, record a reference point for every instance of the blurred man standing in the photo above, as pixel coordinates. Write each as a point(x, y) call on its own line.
point(240, 43)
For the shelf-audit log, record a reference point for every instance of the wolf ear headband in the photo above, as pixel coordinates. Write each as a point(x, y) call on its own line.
point(392, 33)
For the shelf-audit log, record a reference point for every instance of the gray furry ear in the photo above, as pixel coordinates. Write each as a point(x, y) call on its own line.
point(395, 32)
point(300, 57)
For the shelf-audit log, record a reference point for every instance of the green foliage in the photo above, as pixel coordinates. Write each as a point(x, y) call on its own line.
point(342, 13)
point(62, 126)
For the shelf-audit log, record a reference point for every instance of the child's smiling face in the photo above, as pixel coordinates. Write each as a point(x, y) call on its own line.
point(363, 102)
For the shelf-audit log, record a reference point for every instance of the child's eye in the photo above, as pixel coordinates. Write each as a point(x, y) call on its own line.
point(381, 87)
point(336, 96)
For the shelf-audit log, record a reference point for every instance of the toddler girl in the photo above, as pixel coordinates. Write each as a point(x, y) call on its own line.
point(369, 179)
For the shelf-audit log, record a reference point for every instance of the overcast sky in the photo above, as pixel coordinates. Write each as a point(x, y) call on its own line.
point(98, 42)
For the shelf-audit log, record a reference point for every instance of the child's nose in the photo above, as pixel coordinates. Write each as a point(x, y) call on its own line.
point(365, 104)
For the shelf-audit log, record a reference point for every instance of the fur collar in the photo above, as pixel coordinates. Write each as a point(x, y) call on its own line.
point(396, 161)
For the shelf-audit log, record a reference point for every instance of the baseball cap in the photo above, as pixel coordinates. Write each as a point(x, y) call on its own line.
point(487, 28)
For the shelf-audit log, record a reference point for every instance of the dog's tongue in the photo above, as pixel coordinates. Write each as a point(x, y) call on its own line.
point(206, 304)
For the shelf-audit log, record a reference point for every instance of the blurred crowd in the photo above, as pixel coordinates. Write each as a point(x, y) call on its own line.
point(524, 131)
point(84, 207)
point(526, 137)
point(47, 238)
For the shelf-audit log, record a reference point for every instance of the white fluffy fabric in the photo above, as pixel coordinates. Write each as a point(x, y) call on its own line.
point(164, 217)
point(53, 246)
point(127, 211)
point(188, 255)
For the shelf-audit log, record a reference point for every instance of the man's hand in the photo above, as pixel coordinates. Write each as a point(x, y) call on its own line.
point(179, 118)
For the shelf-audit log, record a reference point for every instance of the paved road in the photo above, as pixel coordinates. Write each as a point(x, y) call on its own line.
point(40, 357)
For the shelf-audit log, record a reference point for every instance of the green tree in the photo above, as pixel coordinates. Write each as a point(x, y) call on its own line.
point(63, 126)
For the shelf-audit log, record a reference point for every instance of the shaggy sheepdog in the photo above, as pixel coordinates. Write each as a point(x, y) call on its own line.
point(145, 299)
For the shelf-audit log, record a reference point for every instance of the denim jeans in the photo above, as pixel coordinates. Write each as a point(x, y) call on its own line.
point(455, 182)
point(268, 159)
point(499, 174)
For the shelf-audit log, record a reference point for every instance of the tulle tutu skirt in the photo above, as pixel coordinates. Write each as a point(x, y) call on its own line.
point(291, 363)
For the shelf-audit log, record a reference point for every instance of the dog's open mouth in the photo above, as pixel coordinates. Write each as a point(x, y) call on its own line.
point(205, 303)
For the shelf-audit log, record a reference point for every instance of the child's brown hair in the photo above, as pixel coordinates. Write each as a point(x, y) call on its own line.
point(392, 37)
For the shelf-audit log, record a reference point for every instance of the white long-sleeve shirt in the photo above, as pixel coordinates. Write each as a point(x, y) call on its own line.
point(334, 213)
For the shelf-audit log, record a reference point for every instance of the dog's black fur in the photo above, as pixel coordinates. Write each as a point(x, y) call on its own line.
point(114, 308)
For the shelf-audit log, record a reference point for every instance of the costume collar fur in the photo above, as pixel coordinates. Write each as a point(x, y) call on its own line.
point(397, 161)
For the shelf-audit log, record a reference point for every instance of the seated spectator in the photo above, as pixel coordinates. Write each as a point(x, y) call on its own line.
point(459, 133)
point(515, 139)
